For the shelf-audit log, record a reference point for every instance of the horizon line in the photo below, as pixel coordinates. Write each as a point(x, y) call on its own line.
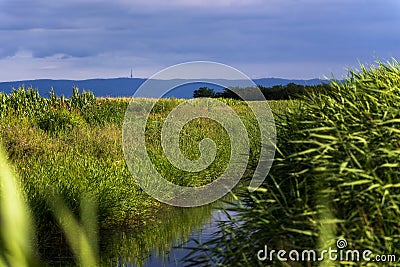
point(142, 78)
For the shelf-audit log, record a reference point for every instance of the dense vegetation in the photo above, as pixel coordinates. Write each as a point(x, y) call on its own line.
point(276, 92)
point(336, 176)
point(70, 149)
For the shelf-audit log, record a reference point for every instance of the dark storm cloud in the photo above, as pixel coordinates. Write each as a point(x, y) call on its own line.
point(226, 31)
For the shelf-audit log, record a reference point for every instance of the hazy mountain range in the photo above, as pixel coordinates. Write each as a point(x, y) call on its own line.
point(126, 87)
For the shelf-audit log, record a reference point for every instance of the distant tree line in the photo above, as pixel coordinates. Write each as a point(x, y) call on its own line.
point(276, 92)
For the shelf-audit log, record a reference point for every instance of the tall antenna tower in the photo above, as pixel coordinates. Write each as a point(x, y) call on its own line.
point(131, 74)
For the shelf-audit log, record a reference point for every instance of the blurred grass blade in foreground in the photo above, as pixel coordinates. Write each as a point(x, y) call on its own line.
point(16, 226)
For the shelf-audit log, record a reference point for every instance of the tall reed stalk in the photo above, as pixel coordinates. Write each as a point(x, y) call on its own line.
point(337, 175)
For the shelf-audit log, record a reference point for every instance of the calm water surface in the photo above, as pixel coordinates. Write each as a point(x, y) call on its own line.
point(158, 245)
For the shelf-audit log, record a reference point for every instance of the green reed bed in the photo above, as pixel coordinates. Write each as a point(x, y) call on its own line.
point(336, 175)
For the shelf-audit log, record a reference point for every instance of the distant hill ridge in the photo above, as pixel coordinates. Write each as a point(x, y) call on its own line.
point(126, 87)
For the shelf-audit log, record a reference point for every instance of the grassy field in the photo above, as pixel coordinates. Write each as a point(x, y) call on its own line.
point(70, 150)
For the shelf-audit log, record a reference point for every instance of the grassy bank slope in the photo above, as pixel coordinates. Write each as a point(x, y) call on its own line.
point(72, 147)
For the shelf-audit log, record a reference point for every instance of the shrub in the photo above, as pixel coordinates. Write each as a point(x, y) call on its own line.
point(58, 120)
point(204, 92)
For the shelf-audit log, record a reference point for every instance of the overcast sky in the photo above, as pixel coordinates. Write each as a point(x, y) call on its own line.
point(80, 39)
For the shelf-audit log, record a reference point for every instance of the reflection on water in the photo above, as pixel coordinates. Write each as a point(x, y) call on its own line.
point(157, 245)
